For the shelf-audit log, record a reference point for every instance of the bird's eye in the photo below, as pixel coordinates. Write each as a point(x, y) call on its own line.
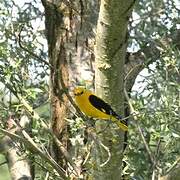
point(78, 93)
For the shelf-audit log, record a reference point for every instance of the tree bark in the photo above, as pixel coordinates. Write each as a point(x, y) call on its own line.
point(58, 70)
point(110, 52)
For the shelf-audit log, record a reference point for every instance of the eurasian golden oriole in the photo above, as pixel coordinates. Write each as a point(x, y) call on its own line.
point(95, 107)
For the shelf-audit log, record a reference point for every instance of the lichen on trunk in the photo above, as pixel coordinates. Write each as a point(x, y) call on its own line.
point(110, 51)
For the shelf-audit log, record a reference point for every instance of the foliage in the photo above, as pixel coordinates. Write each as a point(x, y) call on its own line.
point(157, 99)
point(158, 105)
point(22, 75)
point(25, 74)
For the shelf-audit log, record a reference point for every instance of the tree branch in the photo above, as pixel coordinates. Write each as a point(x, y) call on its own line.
point(38, 58)
point(135, 62)
point(60, 145)
point(36, 116)
point(132, 111)
point(33, 147)
point(65, 153)
point(173, 166)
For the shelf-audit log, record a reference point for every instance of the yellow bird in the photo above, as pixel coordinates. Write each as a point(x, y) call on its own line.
point(95, 107)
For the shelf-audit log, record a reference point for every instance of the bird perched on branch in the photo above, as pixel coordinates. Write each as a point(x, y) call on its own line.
point(95, 107)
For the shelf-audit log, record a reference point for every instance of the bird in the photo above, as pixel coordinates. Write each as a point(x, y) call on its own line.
point(93, 106)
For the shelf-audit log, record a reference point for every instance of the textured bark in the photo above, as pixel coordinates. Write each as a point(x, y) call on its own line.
point(58, 70)
point(110, 52)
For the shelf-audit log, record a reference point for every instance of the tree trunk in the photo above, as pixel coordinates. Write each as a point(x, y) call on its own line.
point(58, 70)
point(111, 44)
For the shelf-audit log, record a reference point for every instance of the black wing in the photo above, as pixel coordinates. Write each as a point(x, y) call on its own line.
point(102, 106)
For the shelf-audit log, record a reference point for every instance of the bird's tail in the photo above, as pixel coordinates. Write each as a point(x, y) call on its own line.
point(121, 124)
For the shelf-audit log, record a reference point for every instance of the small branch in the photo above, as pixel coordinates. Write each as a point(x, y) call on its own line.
point(65, 153)
point(30, 52)
point(1, 164)
point(32, 146)
point(153, 175)
point(141, 66)
point(132, 111)
point(47, 176)
point(109, 154)
point(43, 167)
point(88, 154)
point(158, 147)
point(31, 111)
point(135, 113)
point(45, 126)
point(94, 137)
point(173, 166)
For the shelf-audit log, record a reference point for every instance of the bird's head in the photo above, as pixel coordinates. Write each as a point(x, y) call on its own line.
point(78, 91)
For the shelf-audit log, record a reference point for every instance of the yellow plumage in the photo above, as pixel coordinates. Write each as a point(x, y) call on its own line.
point(95, 107)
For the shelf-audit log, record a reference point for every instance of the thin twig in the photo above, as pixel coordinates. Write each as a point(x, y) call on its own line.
point(109, 155)
point(173, 166)
point(60, 145)
point(88, 154)
point(94, 137)
point(41, 60)
point(153, 174)
point(29, 109)
point(132, 111)
point(47, 176)
point(65, 153)
point(44, 168)
point(32, 146)
point(131, 70)
point(1, 164)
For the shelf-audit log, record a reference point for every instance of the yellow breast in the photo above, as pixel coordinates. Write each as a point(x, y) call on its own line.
point(88, 109)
